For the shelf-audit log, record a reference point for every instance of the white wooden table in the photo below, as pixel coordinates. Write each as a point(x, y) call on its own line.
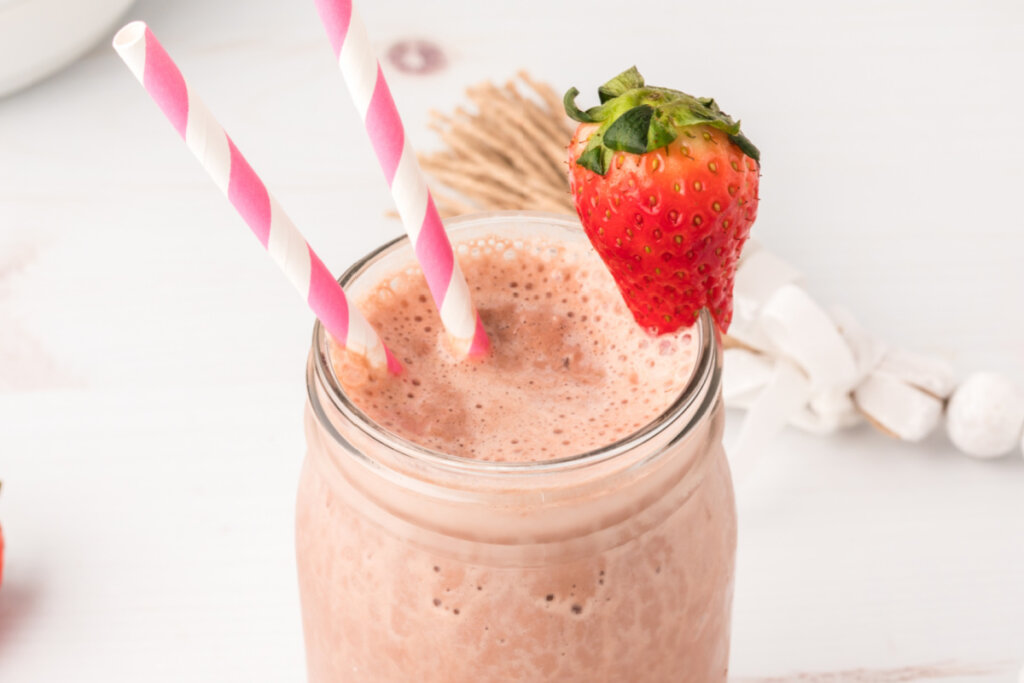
point(151, 359)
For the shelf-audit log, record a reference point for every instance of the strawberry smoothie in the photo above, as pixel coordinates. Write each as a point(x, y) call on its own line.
point(560, 511)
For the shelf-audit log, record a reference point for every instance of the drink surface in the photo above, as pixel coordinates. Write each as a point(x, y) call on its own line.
point(569, 372)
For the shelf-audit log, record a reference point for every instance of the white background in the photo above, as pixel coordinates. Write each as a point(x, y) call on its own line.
point(151, 358)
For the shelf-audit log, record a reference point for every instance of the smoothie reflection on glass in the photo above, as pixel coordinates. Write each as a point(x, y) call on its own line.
point(559, 511)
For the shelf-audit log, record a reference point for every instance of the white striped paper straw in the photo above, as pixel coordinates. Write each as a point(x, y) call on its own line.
point(372, 98)
point(151, 64)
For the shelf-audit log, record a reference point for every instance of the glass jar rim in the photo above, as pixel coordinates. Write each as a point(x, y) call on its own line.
point(697, 397)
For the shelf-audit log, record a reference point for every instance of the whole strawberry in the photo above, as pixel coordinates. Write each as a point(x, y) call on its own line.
point(666, 187)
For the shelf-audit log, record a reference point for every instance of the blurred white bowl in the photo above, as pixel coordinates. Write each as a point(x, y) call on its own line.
point(39, 37)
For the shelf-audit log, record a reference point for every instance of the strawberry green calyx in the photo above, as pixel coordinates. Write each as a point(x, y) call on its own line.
point(636, 118)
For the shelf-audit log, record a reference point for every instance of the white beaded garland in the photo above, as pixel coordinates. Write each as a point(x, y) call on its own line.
point(985, 415)
point(847, 374)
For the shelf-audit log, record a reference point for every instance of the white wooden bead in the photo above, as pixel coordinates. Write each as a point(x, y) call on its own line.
point(744, 375)
point(898, 408)
point(832, 403)
point(985, 415)
point(930, 373)
point(803, 332)
point(774, 406)
point(824, 424)
point(748, 332)
point(867, 349)
point(758, 276)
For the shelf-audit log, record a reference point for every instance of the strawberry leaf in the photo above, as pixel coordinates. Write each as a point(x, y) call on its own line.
point(628, 133)
point(659, 134)
point(746, 146)
point(597, 158)
point(569, 102)
point(627, 80)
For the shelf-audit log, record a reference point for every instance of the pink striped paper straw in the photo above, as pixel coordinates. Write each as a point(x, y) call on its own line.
point(415, 205)
point(151, 64)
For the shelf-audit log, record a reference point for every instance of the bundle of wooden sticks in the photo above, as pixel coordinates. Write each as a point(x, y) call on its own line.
point(510, 153)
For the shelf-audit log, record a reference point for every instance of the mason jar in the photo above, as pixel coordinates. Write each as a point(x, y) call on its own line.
point(419, 566)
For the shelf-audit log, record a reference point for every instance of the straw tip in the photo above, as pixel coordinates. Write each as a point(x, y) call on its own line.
point(394, 365)
point(480, 345)
point(129, 35)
